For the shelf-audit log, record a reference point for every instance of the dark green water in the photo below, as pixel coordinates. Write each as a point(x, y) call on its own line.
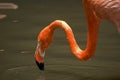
point(18, 38)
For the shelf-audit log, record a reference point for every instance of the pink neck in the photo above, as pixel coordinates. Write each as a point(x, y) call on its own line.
point(78, 52)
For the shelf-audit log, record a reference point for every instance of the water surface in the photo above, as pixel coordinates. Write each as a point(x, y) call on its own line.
point(18, 36)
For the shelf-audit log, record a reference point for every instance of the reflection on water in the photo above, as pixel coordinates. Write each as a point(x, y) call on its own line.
point(18, 35)
point(1, 50)
point(65, 72)
point(7, 6)
point(41, 76)
point(2, 16)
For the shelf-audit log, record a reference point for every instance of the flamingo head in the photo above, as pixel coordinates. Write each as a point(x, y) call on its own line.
point(44, 40)
point(39, 57)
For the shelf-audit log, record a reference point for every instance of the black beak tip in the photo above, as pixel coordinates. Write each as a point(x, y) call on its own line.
point(40, 65)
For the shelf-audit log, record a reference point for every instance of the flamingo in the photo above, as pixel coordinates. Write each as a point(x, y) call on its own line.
point(96, 11)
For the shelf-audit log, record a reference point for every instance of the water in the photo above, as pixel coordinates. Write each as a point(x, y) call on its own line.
point(18, 38)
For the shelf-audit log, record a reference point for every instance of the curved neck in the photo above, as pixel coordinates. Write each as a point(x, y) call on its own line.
point(76, 50)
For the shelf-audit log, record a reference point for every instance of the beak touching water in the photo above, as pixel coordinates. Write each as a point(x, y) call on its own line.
point(39, 57)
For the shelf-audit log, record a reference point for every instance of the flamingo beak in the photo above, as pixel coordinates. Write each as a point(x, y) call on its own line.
point(40, 65)
point(39, 58)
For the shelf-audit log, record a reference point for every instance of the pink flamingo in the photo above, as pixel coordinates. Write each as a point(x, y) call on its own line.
point(96, 10)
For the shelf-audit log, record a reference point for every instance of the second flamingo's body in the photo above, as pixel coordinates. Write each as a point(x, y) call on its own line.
point(96, 10)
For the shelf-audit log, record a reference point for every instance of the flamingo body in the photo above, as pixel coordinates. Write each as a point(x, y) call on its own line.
point(106, 9)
